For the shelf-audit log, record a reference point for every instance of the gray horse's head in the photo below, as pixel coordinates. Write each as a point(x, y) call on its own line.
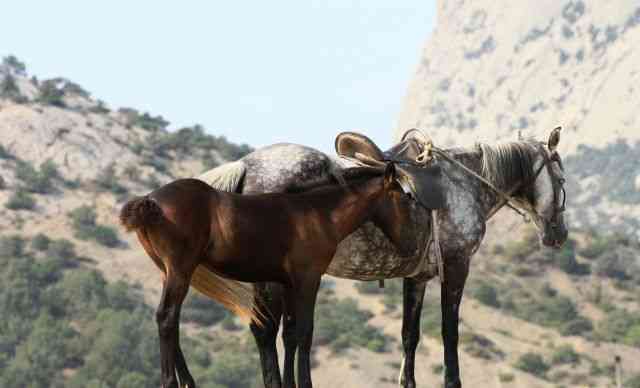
point(532, 173)
point(548, 193)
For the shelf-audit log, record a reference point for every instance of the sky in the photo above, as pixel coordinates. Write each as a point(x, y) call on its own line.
point(257, 72)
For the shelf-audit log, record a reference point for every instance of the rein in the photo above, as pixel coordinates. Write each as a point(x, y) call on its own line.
point(507, 197)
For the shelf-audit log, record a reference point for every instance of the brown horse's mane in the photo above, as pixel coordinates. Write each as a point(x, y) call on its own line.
point(347, 177)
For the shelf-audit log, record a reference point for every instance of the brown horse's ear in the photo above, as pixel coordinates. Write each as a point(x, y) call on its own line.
point(350, 143)
point(554, 139)
point(389, 175)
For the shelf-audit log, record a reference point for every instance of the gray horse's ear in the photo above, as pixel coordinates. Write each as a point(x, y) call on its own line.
point(350, 143)
point(554, 139)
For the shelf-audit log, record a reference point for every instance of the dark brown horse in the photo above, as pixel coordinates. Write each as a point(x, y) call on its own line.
point(191, 230)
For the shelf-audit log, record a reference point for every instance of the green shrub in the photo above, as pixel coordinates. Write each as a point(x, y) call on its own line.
point(9, 89)
point(85, 227)
point(341, 324)
point(520, 249)
point(633, 382)
point(106, 235)
point(51, 94)
point(369, 288)
point(12, 246)
point(4, 153)
point(15, 65)
point(620, 326)
point(577, 326)
point(480, 346)
point(21, 200)
point(486, 294)
point(107, 180)
point(565, 354)
point(532, 363)
point(40, 242)
point(37, 181)
point(202, 310)
point(565, 259)
point(506, 377)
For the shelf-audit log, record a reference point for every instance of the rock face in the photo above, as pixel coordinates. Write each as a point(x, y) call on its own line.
point(492, 69)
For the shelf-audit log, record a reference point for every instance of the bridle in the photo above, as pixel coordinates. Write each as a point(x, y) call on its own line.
point(549, 159)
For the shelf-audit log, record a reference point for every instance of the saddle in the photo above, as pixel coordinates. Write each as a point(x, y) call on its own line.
point(422, 181)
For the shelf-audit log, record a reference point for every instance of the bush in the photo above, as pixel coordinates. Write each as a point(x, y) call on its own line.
point(9, 89)
point(21, 200)
point(633, 382)
point(486, 294)
point(40, 242)
point(620, 326)
point(565, 259)
point(577, 326)
point(107, 180)
point(14, 65)
point(51, 94)
point(106, 236)
point(341, 324)
point(522, 248)
point(565, 354)
point(532, 363)
point(12, 246)
point(4, 154)
point(84, 224)
point(35, 181)
point(202, 310)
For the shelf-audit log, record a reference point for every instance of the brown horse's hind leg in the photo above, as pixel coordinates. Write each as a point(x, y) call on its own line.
point(174, 291)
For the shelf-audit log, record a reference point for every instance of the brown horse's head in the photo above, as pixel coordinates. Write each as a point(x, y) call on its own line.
point(394, 215)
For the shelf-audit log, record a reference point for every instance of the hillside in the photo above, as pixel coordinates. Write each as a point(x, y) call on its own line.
point(68, 162)
point(493, 69)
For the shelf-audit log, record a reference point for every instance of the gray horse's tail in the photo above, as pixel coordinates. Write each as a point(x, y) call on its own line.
point(226, 177)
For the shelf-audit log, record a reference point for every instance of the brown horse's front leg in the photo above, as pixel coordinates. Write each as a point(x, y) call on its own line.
point(167, 316)
point(186, 380)
point(302, 296)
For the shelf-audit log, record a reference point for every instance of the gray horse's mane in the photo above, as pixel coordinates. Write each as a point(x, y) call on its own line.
point(506, 163)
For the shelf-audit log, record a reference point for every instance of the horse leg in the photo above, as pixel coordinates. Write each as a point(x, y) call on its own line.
point(451, 295)
point(303, 297)
point(174, 290)
point(289, 338)
point(186, 380)
point(269, 299)
point(413, 295)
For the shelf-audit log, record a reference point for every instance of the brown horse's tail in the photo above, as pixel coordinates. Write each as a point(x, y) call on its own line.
point(235, 296)
point(140, 212)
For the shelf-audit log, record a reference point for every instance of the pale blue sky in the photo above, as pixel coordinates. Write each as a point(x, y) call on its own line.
point(256, 71)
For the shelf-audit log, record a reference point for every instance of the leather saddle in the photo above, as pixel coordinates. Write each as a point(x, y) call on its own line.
point(423, 182)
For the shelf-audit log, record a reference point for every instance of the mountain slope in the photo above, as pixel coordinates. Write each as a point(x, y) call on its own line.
point(493, 69)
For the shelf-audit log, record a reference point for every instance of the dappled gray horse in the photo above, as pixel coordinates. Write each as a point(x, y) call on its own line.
point(477, 182)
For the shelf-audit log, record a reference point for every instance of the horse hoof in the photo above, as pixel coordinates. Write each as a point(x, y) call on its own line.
point(453, 384)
